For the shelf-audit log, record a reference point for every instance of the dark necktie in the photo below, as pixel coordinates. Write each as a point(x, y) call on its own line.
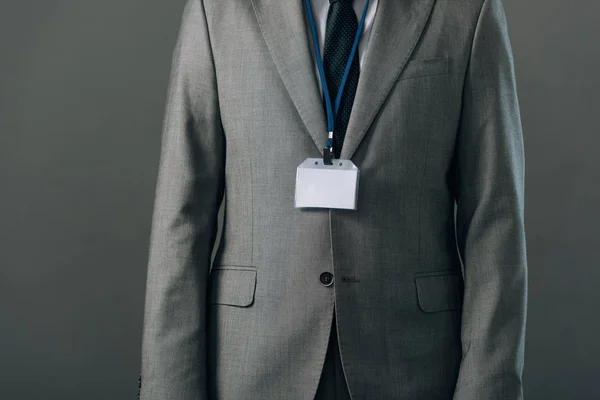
point(339, 38)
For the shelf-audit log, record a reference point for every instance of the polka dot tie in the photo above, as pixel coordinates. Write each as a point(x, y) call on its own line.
point(339, 38)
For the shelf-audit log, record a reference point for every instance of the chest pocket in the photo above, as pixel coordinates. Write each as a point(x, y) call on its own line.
point(426, 67)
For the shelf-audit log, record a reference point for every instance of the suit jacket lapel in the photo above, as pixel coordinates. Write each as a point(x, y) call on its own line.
point(396, 30)
point(283, 26)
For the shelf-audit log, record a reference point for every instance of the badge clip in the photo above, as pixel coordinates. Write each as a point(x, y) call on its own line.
point(327, 156)
point(328, 150)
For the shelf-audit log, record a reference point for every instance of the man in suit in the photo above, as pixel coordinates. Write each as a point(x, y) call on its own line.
point(418, 293)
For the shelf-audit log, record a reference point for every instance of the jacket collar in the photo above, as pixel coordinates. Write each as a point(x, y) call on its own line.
point(397, 27)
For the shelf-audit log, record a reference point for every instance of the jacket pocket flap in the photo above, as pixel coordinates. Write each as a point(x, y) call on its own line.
point(439, 291)
point(425, 67)
point(232, 286)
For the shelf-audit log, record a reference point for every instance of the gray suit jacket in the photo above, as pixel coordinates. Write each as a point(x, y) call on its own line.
point(430, 305)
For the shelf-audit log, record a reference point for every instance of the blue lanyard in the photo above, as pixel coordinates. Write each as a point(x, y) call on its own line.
point(331, 114)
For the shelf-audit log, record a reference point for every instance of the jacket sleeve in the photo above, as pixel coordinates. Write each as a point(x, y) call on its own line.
point(489, 192)
point(184, 223)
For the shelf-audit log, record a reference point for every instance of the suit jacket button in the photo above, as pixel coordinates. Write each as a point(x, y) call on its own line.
point(326, 279)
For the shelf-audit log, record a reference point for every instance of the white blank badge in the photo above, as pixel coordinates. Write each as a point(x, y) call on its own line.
point(326, 186)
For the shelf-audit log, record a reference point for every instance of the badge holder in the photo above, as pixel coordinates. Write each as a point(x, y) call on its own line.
point(319, 185)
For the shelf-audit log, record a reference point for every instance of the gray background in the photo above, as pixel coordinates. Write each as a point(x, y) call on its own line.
point(82, 92)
